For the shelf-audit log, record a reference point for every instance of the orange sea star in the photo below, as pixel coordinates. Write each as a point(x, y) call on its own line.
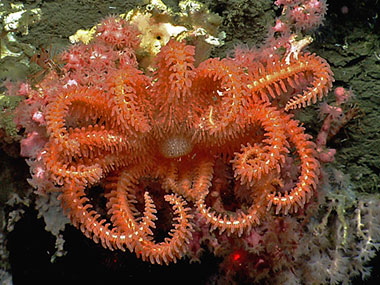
point(166, 133)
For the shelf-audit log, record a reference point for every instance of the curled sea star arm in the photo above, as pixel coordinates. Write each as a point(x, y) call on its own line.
point(91, 164)
point(84, 217)
point(252, 162)
point(124, 230)
point(239, 221)
point(223, 83)
point(127, 98)
point(292, 200)
point(87, 132)
point(191, 180)
point(62, 172)
point(124, 217)
point(320, 85)
point(84, 150)
point(175, 246)
point(275, 78)
point(58, 111)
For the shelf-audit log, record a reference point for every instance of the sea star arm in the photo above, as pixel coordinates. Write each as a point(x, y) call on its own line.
point(84, 217)
point(294, 199)
point(223, 85)
point(128, 101)
point(172, 82)
point(241, 220)
point(123, 215)
point(275, 78)
point(252, 162)
point(191, 180)
point(86, 131)
point(321, 84)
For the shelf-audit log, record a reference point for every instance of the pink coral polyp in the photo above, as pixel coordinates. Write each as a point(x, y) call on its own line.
point(118, 32)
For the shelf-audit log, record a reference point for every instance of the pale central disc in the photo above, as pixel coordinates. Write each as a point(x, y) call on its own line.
point(176, 146)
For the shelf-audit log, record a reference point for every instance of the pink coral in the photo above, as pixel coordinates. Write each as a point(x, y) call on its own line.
point(304, 14)
point(342, 95)
point(118, 33)
point(31, 145)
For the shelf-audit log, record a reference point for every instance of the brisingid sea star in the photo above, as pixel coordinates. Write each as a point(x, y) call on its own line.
point(172, 129)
